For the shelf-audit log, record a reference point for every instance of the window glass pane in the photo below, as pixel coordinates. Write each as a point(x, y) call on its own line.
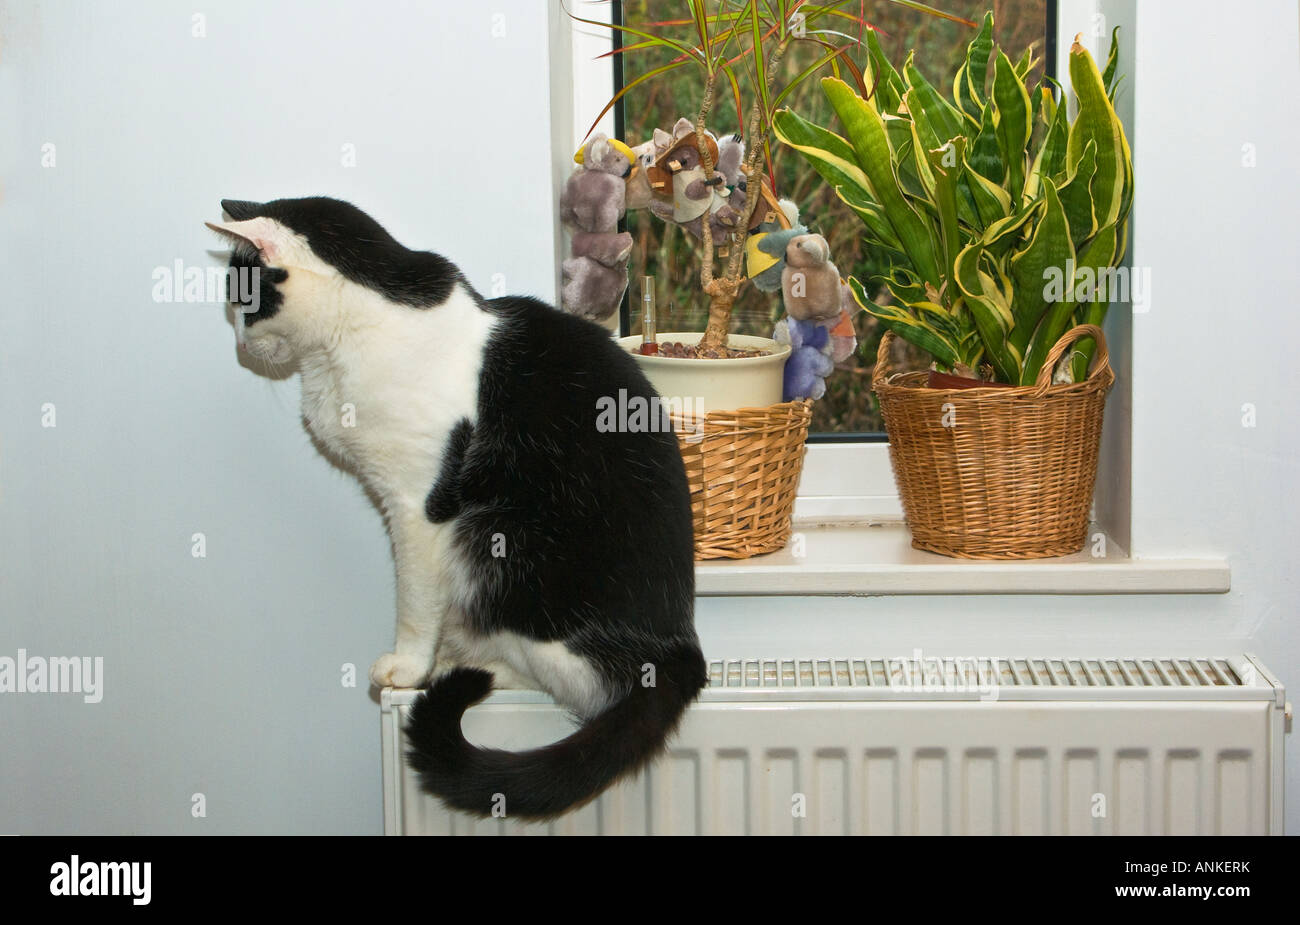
point(664, 251)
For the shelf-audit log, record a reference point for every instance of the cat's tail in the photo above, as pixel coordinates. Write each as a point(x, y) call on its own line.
point(545, 782)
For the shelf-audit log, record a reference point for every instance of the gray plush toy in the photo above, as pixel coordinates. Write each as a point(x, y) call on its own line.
point(593, 198)
point(595, 277)
point(729, 200)
point(592, 202)
point(720, 196)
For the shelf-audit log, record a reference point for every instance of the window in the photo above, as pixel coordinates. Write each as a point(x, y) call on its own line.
point(848, 412)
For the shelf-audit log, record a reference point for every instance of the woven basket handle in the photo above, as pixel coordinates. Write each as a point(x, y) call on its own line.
point(879, 372)
point(1100, 362)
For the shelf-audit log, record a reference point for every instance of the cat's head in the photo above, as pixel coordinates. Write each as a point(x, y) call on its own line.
point(296, 267)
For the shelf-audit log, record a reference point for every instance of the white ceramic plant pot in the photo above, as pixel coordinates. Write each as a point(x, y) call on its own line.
point(716, 385)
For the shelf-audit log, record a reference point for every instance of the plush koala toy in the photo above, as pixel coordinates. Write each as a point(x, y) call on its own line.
point(810, 283)
point(610, 250)
point(727, 208)
point(594, 197)
point(731, 154)
point(689, 195)
point(690, 192)
point(639, 193)
point(592, 202)
point(595, 277)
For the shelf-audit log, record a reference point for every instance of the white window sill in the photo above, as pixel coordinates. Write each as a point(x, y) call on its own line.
point(879, 559)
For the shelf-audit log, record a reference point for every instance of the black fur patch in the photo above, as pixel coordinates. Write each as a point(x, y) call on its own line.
point(244, 259)
point(443, 502)
point(546, 782)
point(359, 248)
point(597, 525)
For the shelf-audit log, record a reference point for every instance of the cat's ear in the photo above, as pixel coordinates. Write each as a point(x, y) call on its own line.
point(241, 209)
point(263, 233)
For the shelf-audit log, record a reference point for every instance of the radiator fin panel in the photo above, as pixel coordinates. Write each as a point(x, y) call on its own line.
point(858, 745)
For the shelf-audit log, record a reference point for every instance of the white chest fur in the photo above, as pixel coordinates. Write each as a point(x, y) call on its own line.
point(386, 393)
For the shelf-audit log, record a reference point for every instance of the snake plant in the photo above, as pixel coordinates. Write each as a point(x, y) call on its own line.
point(1000, 216)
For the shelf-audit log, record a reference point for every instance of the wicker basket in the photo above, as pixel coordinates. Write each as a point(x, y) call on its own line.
point(996, 473)
point(743, 470)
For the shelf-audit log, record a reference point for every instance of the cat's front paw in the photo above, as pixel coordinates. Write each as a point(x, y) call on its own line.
point(393, 670)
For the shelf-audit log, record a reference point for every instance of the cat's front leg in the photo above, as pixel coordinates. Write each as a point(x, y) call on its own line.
point(419, 552)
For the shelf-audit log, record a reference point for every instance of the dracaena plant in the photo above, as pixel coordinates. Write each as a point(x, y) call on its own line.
point(1001, 217)
point(737, 43)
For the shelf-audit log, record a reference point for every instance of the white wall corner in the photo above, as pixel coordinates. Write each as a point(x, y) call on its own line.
point(1092, 21)
point(560, 64)
point(582, 82)
point(593, 74)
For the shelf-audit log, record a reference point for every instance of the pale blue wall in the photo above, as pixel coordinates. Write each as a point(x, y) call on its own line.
point(222, 674)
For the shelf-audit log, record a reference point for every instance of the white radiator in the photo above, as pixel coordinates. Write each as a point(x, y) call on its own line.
point(919, 746)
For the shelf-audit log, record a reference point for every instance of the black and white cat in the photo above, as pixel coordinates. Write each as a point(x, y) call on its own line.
point(533, 548)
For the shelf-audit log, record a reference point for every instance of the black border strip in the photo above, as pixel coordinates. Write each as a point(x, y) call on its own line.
point(616, 62)
point(1049, 65)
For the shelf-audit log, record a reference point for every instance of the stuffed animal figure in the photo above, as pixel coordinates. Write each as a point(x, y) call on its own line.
point(639, 193)
point(729, 190)
point(679, 172)
point(765, 247)
point(808, 365)
point(810, 283)
point(685, 194)
point(592, 202)
point(819, 314)
point(731, 154)
point(674, 153)
point(610, 250)
point(844, 337)
point(767, 256)
point(595, 277)
point(594, 197)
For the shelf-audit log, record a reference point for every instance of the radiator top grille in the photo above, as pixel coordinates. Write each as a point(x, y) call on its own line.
point(928, 679)
point(914, 672)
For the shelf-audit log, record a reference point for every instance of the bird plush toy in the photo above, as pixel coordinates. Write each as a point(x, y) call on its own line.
point(766, 244)
point(810, 283)
point(818, 325)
